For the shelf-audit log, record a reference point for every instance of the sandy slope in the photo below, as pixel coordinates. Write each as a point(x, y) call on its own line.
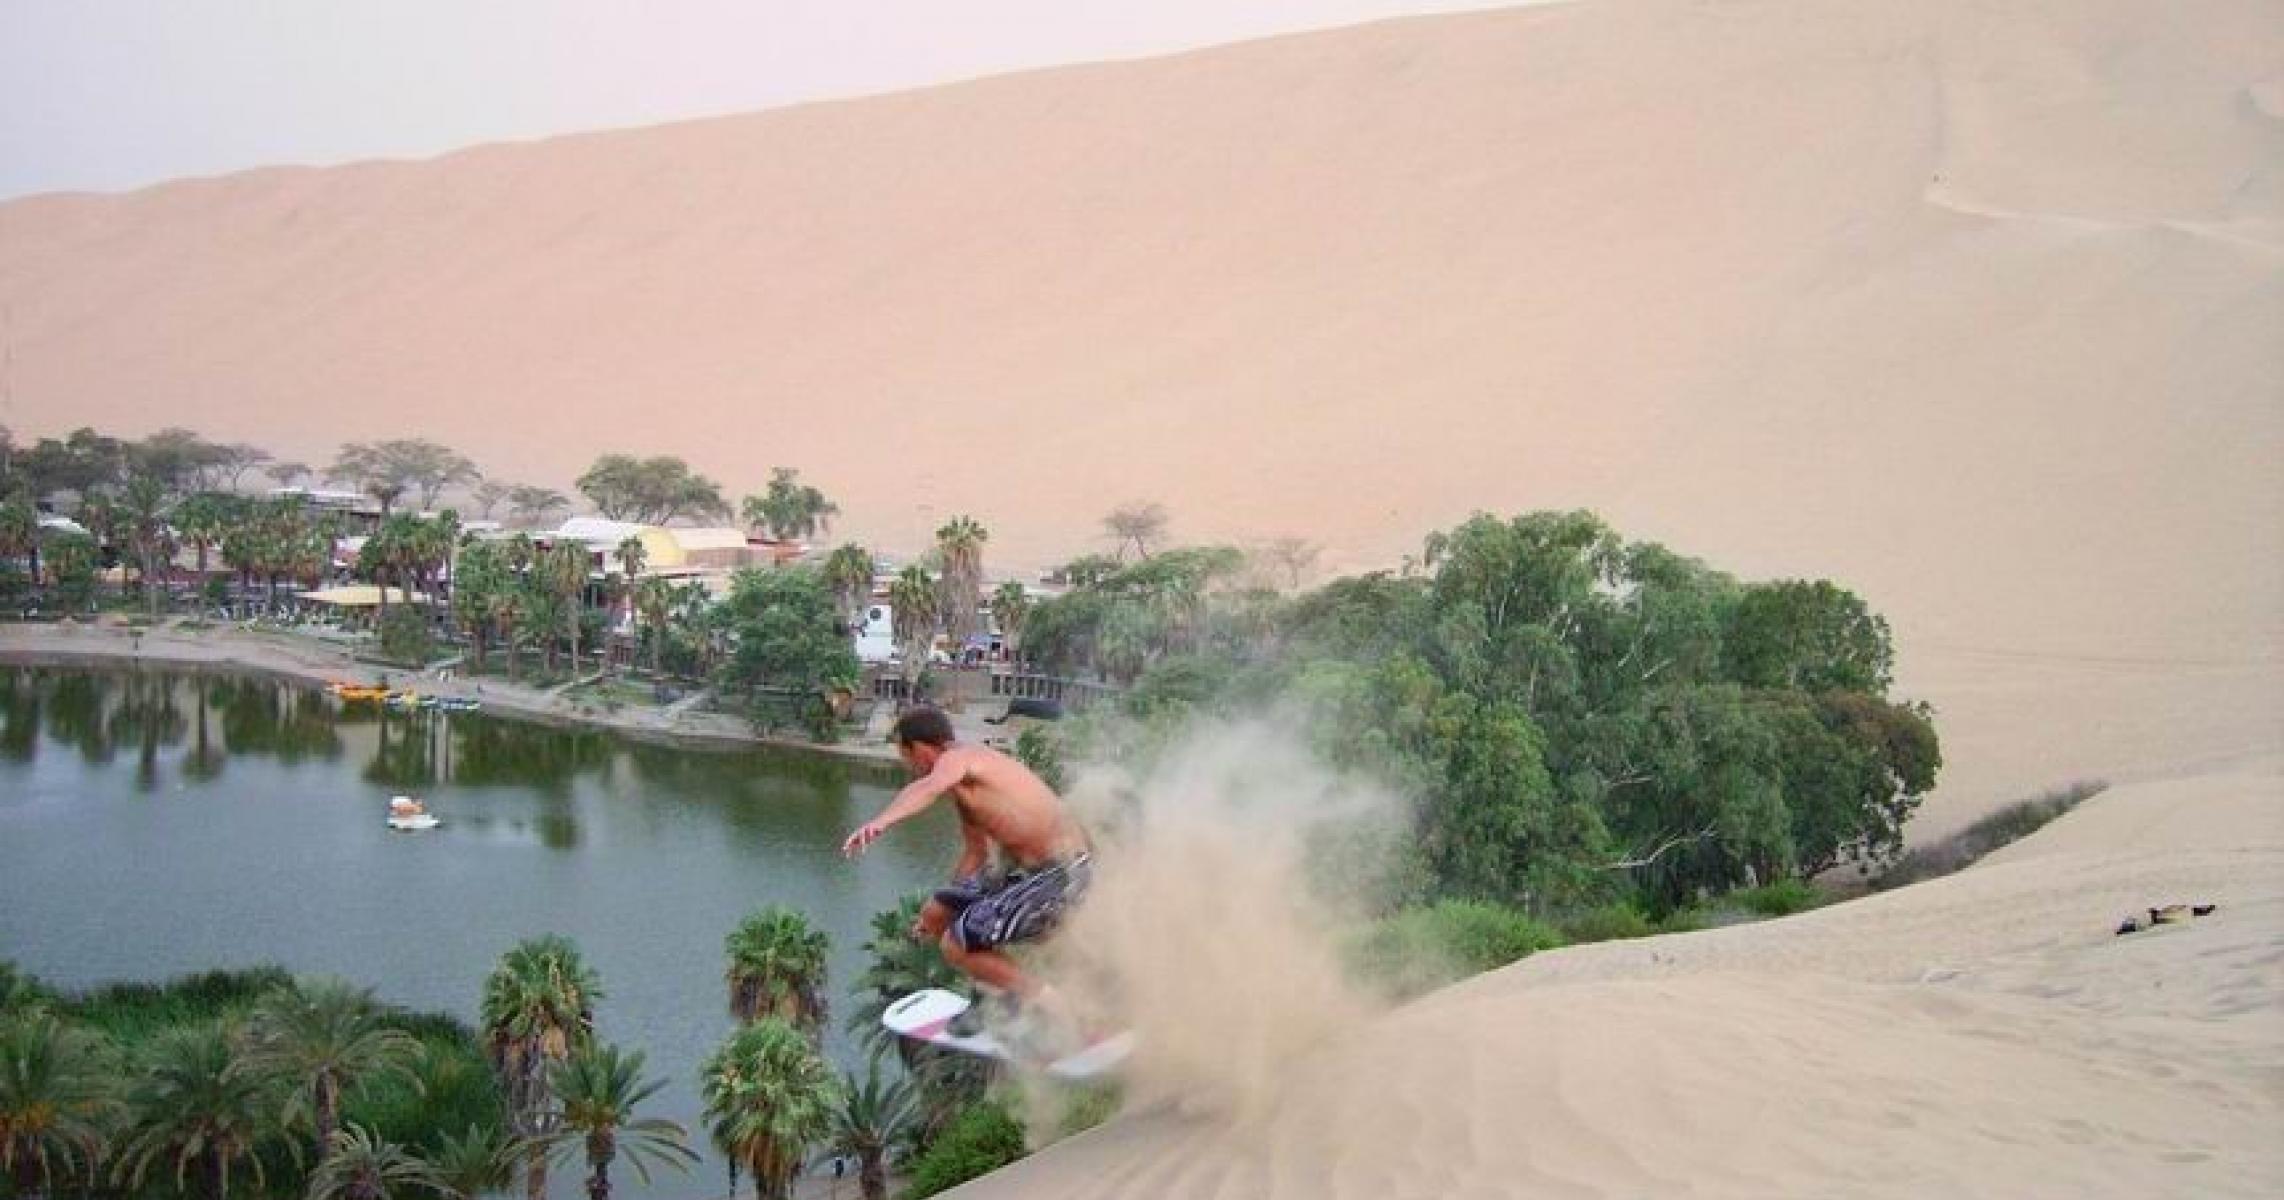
point(1970, 305)
point(1985, 1035)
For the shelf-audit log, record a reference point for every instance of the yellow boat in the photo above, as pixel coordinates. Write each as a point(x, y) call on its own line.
point(353, 692)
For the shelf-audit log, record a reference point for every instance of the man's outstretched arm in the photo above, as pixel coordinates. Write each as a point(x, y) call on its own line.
point(915, 798)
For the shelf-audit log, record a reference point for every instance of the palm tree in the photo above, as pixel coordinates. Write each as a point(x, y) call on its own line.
point(633, 555)
point(195, 1105)
point(538, 1008)
point(869, 1119)
point(322, 1037)
point(476, 1163)
point(202, 519)
point(777, 969)
point(599, 1088)
point(789, 509)
point(1009, 605)
point(769, 1096)
point(848, 571)
point(563, 571)
point(143, 516)
point(912, 597)
point(960, 542)
point(20, 534)
point(654, 599)
point(360, 1165)
point(55, 1101)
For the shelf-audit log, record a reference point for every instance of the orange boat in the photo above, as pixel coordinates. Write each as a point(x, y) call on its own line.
point(354, 692)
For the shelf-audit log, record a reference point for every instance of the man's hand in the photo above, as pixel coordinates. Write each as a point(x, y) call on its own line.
point(865, 835)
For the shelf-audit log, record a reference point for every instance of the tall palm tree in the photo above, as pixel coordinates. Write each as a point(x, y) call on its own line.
point(56, 1100)
point(599, 1088)
point(633, 555)
point(360, 1165)
point(960, 542)
point(563, 571)
point(195, 1106)
point(654, 599)
point(848, 571)
point(143, 515)
point(475, 1163)
point(538, 1008)
point(789, 509)
point(770, 1097)
point(869, 1119)
point(20, 534)
point(912, 597)
point(777, 969)
point(322, 1037)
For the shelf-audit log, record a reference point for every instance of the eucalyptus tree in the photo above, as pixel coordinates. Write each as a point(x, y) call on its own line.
point(598, 1088)
point(362, 1165)
point(538, 1009)
point(777, 969)
point(322, 1038)
point(769, 1096)
point(960, 543)
point(234, 460)
point(287, 474)
point(58, 1100)
point(197, 1109)
point(789, 509)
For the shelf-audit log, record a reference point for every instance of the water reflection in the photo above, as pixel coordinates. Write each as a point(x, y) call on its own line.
point(185, 728)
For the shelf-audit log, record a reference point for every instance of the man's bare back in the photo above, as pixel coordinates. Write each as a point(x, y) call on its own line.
point(1001, 804)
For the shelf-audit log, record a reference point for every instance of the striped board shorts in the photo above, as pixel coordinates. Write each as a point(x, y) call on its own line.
point(1023, 906)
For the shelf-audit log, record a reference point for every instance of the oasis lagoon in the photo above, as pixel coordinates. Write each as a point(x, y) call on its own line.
point(155, 823)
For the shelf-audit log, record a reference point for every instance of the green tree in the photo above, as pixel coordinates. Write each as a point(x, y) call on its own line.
point(777, 969)
point(599, 1088)
point(960, 543)
point(652, 491)
point(1813, 637)
point(1010, 604)
point(654, 600)
point(562, 573)
point(1138, 525)
point(769, 1097)
point(322, 1038)
point(287, 474)
point(529, 504)
point(871, 1117)
point(848, 571)
point(476, 1162)
point(489, 495)
point(783, 642)
point(789, 509)
point(361, 1165)
point(912, 599)
point(197, 1108)
point(56, 1101)
point(538, 1008)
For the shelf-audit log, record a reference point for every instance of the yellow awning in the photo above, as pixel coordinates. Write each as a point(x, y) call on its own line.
point(360, 595)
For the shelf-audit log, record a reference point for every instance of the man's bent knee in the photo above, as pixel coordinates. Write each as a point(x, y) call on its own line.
point(935, 918)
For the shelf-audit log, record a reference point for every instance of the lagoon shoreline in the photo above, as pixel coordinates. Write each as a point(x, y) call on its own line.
point(285, 657)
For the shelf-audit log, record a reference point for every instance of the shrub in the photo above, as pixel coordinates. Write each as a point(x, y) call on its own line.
point(978, 1142)
point(2010, 824)
point(1780, 899)
point(1609, 923)
point(405, 636)
point(1421, 949)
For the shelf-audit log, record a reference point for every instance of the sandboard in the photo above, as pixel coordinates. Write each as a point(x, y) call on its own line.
point(927, 1016)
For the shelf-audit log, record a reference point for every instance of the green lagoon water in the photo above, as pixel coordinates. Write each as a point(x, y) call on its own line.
point(154, 823)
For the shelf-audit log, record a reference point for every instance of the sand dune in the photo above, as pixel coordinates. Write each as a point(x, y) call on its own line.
point(1971, 306)
point(1982, 1035)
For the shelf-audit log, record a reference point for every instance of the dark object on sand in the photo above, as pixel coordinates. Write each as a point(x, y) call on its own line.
point(1037, 710)
point(2171, 914)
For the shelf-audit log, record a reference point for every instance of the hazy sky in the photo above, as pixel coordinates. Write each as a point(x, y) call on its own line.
point(111, 94)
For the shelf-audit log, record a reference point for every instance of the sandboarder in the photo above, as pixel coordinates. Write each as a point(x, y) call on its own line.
point(1002, 805)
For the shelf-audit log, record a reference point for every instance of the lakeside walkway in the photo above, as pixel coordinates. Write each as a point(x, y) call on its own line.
point(319, 662)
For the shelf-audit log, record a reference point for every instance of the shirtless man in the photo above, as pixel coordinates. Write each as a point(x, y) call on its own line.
point(1001, 804)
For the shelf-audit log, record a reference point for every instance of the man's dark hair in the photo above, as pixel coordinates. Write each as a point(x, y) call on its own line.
point(928, 726)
